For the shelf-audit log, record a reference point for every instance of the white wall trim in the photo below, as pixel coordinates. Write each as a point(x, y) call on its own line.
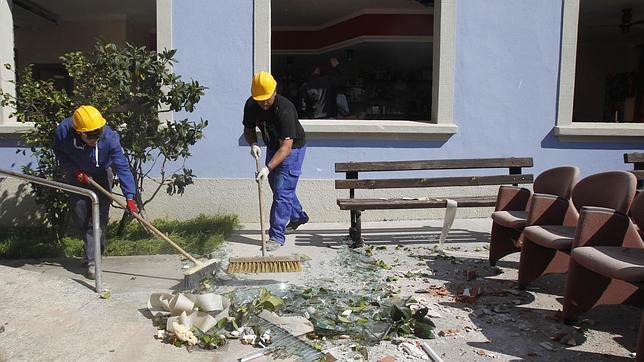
point(7, 77)
point(442, 126)
point(261, 35)
point(444, 61)
point(376, 129)
point(164, 25)
point(566, 129)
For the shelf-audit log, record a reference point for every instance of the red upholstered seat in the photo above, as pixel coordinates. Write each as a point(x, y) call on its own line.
point(551, 230)
point(510, 217)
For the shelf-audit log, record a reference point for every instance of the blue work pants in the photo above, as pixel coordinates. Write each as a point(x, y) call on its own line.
point(283, 181)
point(81, 208)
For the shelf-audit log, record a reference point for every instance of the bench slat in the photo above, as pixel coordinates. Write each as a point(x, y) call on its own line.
point(434, 182)
point(633, 157)
point(639, 174)
point(434, 164)
point(380, 204)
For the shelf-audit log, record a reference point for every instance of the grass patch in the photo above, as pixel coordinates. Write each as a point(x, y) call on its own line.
point(200, 235)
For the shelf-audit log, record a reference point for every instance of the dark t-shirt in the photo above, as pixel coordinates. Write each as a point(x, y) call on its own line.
point(279, 122)
point(317, 98)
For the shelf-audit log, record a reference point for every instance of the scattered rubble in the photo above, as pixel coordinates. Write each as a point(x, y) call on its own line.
point(384, 304)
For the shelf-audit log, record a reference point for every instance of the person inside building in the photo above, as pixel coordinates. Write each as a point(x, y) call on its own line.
point(283, 134)
point(317, 97)
point(338, 79)
point(85, 146)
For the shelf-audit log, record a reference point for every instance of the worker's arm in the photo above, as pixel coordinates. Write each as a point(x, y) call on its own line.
point(282, 152)
point(250, 135)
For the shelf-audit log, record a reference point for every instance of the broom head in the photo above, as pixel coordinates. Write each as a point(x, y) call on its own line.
point(265, 264)
point(196, 274)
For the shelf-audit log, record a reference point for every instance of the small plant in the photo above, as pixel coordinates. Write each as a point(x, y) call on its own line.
point(408, 322)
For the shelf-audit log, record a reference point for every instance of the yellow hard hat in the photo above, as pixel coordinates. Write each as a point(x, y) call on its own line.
point(263, 86)
point(88, 118)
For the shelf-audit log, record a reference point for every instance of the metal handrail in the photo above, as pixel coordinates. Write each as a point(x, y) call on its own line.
point(95, 214)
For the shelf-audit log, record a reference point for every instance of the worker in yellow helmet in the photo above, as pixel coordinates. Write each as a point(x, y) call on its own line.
point(87, 147)
point(285, 142)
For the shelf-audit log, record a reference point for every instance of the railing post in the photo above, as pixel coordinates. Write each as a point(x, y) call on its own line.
point(95, 214)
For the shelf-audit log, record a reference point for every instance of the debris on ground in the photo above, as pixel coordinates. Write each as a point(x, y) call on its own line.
point(377, 304)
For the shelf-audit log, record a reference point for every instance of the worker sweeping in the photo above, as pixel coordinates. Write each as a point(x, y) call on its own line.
point(285, 141)
point(87, 147)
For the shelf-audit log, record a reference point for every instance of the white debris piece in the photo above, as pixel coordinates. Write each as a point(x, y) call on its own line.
point(413, 351)
point(266, 337)
point(184, 334)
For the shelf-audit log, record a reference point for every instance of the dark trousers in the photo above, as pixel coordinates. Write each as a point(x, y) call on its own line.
point(81, 207)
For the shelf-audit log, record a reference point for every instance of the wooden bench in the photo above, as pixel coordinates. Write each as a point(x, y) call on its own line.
point(637, 159)
point(358, 205)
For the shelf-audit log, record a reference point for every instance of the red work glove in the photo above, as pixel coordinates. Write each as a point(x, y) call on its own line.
point(131, 206)
point(81, 177)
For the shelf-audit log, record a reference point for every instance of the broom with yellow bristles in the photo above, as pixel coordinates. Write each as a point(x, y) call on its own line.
point(264, 264)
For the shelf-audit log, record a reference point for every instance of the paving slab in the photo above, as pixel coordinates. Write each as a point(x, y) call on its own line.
point(50, 311)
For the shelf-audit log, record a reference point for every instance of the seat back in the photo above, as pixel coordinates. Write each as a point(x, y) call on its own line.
point(612, 189)
point(637, 210)
point(557, 181)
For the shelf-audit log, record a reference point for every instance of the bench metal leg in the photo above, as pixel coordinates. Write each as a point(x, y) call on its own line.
point(355, 231)
point(450, 214)
point(352, 228)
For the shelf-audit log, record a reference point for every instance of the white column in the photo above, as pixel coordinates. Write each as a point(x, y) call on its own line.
point(164, 25)
point(261, 35)
point(164, 41)
point(443, 59)
point(6, 56)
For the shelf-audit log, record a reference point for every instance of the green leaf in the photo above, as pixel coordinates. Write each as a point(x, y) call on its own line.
point(423, 329)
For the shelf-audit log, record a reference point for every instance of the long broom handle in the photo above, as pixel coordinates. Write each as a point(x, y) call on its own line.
point(261, 209)
point(144, 222)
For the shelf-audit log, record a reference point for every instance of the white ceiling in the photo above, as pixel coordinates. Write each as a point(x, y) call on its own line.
point(285, 13)
point(142, 12)
point(599, 21)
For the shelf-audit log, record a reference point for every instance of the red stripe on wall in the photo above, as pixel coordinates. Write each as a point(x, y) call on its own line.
point(363, 25)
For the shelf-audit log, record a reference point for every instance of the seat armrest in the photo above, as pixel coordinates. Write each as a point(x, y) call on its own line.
point(548, 209)
point(512, 198)
point(600, 226)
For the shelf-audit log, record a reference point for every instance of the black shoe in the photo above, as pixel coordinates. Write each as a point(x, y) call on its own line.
point(292, 226)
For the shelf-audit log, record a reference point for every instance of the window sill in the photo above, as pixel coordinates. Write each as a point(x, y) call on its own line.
point(376, 129)
point(13, 129)
point(601, 132)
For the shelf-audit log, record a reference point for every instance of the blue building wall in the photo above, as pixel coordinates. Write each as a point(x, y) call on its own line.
point(505, 101)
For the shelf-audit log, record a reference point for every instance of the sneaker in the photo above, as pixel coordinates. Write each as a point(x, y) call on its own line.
point(292, 226)
point(272, 245)
point(91, 272)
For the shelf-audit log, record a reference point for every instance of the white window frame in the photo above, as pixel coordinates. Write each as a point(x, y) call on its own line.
point(566, 129)
point(9, 125)
point(442, 126)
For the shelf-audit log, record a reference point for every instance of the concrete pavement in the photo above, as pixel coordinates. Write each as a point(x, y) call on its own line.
point(50, 311)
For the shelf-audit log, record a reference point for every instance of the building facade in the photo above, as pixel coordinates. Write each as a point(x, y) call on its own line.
point(501, 81)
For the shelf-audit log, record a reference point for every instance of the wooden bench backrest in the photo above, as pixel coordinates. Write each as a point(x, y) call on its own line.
point(513, 177)
point(637, 159)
